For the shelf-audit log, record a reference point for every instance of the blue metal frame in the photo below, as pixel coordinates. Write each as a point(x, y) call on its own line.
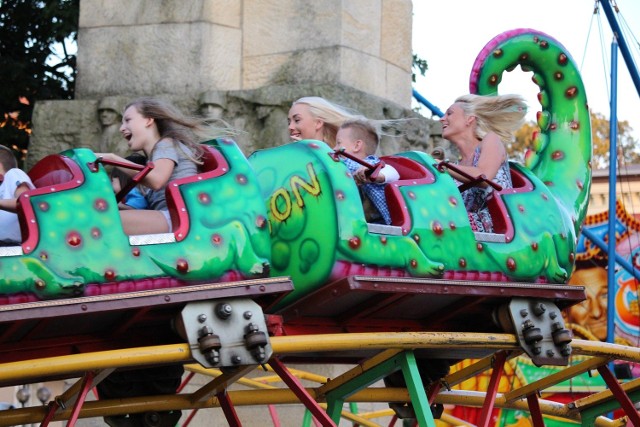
point(611, 250)
point(619, 42)
point(421, 99)
point(624, 49)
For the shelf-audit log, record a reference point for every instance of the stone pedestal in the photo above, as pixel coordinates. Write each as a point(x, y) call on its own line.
point(243, 62)
point(150, 47)
point(256, 55)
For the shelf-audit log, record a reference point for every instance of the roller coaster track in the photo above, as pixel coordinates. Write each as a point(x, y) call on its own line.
point(352, 386)
point(137, 330)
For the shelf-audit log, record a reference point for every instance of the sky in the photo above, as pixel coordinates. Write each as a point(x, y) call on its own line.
point(449, 35)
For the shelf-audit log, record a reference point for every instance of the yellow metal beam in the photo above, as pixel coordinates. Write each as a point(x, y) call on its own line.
point(257, 383)
point(599, 348)
point(455, 421)
point(101, 408)
point(240, 398)
point(547, 407)
point(356, 372)
point(304, 375)
point(220, 383)
point(603, 396)
point(558, 377)
point(377, 414)
point(70, 396)
point(387, 344)
point(392, 340)
point(75, 365)
point(476, 368)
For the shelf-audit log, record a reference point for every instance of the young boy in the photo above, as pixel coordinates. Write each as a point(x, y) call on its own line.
point(360, 138)
point(14, 183)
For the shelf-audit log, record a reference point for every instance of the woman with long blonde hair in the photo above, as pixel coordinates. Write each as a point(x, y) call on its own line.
point(479, 126)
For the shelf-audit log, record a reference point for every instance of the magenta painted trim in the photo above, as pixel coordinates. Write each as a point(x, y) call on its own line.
point(214, 165)
point(490, 47)
point(44, 176)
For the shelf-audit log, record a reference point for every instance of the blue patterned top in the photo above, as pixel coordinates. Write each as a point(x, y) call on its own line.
point(374, 191)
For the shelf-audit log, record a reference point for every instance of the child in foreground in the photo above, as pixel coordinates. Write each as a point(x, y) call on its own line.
point(14, 182)
point(360, 138)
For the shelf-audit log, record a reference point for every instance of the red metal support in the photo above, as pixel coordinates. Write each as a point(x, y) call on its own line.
point(53, 408)
point(298, 389)
point(228, 409)
point(534, 410)
point(625, 403)
point(498, 369)
point(87, 383)
point(189, 418)
point(185, 381)
point(433, 392)
point(274, 416)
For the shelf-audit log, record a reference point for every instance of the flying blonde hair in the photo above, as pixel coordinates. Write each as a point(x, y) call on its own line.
point(500, 114)
point(332, 115)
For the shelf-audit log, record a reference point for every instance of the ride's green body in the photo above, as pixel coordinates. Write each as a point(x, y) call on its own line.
point(79, 240)
point(296, 209)
point(318, 226)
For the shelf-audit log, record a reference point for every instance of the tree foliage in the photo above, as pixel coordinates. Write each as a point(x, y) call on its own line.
point(34, 61)
point(420, 65)
point(627, 147)
point(524, 137)
point(628, 150)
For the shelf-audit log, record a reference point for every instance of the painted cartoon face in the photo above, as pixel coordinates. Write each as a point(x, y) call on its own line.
point(302, 125)
point(453, 121)
point(135, 128)
point(592, 313)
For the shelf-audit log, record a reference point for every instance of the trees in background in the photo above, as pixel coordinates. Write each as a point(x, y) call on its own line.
point(628, 149)
point(35, 62)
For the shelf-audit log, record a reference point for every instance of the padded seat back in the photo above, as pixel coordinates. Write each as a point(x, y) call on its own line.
point(52, 170)
point(214, 164)
point(411, 173)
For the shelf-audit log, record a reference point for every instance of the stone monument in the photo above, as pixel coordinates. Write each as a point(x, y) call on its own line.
point(110, 116)
point(253, 56)
point(241, 64)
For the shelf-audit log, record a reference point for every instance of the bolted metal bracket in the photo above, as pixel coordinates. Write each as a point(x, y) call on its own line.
point(540, 329)
point(225, 333)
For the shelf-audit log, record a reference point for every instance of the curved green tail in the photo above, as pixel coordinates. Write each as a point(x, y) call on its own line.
point(562, 150)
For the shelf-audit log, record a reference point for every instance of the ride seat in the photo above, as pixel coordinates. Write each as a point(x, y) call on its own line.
point(53, 170)
point(502, 223)
point(411, 173)
point(53, 173)
point(214, 164)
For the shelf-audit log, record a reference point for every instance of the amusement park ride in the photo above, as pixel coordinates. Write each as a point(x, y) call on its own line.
point(271, 263)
